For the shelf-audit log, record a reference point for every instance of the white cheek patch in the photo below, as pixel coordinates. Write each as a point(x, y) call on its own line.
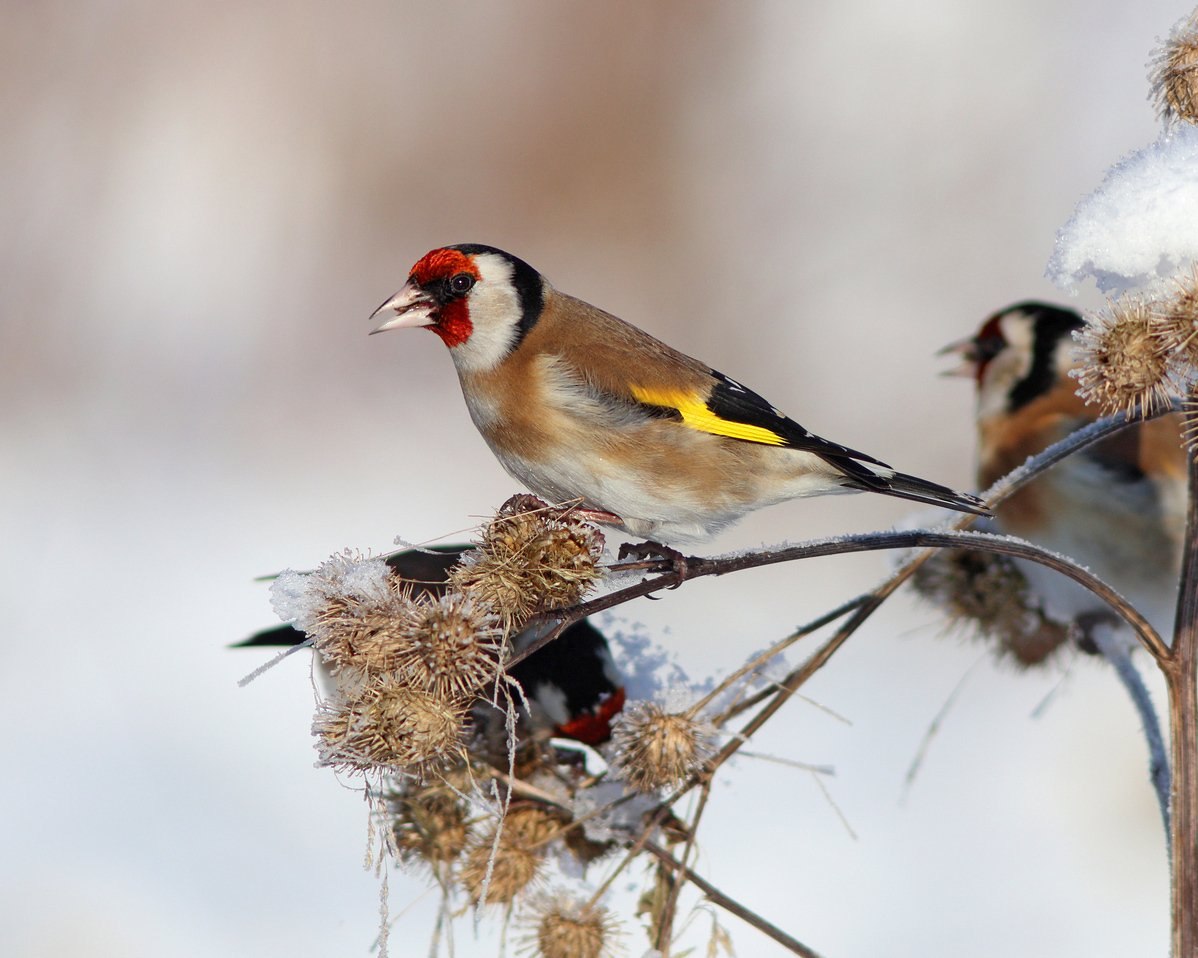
point(495, 314)
point(1007, 368)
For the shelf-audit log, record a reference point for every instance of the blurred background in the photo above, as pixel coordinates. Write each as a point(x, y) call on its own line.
point(203, 204)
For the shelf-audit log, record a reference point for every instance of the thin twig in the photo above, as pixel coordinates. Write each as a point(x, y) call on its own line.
point(665, 926)
point(932, 730)
point(776, 649)
point(730, 905)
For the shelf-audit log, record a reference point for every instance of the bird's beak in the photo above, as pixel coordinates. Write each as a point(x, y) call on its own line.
point(965, 349)
point(411, 306)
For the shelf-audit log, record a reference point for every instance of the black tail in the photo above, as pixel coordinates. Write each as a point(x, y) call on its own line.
point(883, 479)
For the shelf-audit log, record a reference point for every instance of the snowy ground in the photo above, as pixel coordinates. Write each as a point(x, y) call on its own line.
point(204, 204)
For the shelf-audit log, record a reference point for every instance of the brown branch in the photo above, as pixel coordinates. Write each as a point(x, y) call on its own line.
point(730, 905)
point(670, 577)
point(698, 566)
point(1181, 677)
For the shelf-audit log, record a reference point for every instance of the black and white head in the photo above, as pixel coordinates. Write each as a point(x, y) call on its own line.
point(480, 300)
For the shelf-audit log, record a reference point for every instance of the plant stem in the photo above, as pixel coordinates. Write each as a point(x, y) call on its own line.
point(1181, 676)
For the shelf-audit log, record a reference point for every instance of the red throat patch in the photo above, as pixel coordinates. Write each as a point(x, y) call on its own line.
point(453, 323)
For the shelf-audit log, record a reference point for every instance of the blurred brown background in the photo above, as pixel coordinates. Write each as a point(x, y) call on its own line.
point(202, 203)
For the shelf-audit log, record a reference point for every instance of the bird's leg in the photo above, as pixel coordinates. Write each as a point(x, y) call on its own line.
point(655, 550)
point(595, 515)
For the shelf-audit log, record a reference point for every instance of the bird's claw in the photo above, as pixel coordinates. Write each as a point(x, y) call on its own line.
point(655, 550)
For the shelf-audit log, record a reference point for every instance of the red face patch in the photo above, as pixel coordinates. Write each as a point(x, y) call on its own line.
point(441, 264)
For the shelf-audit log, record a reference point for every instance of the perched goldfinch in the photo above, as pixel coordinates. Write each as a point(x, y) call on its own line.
point(1117, 507)
point(579, 405)
point(572, 686)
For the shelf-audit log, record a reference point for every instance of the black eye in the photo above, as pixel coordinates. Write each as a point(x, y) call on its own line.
point(461, 283)
point(990, 347)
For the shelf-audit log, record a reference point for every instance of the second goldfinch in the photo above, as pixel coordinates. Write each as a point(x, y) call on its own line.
point(1117, 507)
point(580, 405)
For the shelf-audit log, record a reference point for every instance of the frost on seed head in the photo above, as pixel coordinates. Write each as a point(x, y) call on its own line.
point(299, 597)
point(562, 926)
point(1174, 73)
point(531, 558)
point(450, 645)
point(1123, 366)
point(1175, 325)
point(429, 823)
point(382, 723)
point(653, 748)
point(505, 858)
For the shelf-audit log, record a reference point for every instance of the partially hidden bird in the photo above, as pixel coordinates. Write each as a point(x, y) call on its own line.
point(1117, 507)
point(572, 687)
point(585, 408)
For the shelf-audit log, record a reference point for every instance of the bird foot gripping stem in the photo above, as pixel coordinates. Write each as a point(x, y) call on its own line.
point(655, 550)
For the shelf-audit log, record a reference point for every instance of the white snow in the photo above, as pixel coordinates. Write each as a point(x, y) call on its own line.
point(1140, 226)
point(297, 597)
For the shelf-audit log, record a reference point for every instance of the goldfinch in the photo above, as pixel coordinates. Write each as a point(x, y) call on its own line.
point(581, 406)
point(1117, 507)
point(571, 685)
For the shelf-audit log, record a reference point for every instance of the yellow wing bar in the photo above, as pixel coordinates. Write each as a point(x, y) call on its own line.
point(695, 414)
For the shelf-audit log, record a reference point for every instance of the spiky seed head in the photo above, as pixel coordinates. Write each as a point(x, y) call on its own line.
point(1123, 366)
point(561, 926)
point(1189, 423)
point(531, 558)
point(429, 824)
point(450, 645)
point(361, 632)
point(518, 855)
point(1174, 73)
point(987, 594)
point(1175, 322)
point(654, 749)
point(347, 606)
point(383, 723)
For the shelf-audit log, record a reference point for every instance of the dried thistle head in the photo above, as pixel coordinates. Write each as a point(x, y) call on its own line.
point(346, 607)
point(362, 632)
point(429, 823)
point(449, 645)
point(988, 594)
point(383, 723)
point(1122, 364)
point(523, 833)
point(561, 926)
point(1174, 73)
point(653, 748)
point(1176, 326)
point(1189, 423)
point(531, 558)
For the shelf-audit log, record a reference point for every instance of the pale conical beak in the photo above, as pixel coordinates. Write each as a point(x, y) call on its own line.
point(965, 349)
point(411, 306)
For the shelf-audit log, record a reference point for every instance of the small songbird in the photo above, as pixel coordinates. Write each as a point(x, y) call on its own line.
point(572, 686)
point(1117, 507)
point(581, 406)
